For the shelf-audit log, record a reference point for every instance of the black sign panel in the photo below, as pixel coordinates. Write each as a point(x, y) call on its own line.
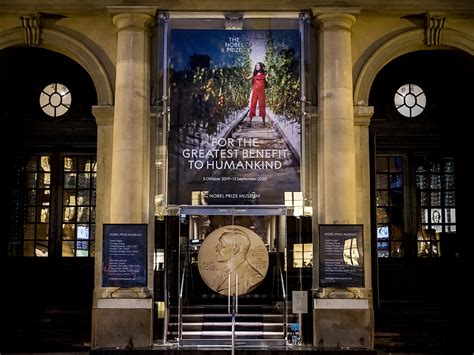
point(341, 256)
point(124, 262)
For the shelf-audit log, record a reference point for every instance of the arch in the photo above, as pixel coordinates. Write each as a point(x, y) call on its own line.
point(410, 41)
point(71, 47)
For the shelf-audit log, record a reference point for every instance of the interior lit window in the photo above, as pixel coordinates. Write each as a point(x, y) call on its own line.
point(47, 214)
point(410, 100)
point(390, 189)
point(303, 255)
point(436, 204)
point(435, 207)
point(38, 203)
point(351, 254)
point(79, 196)
point(55, 100)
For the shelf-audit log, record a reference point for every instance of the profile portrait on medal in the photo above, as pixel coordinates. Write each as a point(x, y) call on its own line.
point(233, 257)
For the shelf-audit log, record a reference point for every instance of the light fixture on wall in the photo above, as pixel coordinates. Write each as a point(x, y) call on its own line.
point(234, 21)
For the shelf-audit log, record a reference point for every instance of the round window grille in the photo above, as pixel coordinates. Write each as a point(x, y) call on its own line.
point(410, 100)
point(55, 100)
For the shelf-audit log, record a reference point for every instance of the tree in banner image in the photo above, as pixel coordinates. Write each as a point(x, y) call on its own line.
point(208, 95)
point(284, 91)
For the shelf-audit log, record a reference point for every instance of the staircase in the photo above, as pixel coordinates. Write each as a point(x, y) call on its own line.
point(255, 325)
point(205, 318)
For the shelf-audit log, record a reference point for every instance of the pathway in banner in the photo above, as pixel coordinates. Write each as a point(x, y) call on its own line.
point(265, 165)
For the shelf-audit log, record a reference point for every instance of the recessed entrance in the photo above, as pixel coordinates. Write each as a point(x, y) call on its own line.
point(235, 270)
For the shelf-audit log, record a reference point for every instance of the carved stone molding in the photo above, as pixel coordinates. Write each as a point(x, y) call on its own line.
point(31, 26)
point(433, 27)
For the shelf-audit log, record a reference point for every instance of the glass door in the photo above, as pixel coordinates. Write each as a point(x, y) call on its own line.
point(232, 285)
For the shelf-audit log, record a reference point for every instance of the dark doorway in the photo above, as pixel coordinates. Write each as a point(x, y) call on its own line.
point(420, 186)
point(47, 244)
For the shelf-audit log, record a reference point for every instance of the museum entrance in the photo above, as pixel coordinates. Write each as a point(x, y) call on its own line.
point(231, 287)
point(232, 281)
point(230, 183)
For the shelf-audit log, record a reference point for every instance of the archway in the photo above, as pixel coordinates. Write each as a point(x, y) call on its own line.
point(101, 73)
point(421, 225)
point(406, 42)
point(48, 239)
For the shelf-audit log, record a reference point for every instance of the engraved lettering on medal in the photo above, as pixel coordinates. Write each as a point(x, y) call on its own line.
point(233, 250)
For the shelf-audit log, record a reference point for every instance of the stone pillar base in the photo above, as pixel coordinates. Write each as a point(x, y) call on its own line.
point(343, 323)
point(122, 323)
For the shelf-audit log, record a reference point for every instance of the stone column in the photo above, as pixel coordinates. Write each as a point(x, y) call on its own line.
point(104, 117)
point(342, 317)
point(123, 317)
point(362, 115)
point(130, 188)
point(336, 158)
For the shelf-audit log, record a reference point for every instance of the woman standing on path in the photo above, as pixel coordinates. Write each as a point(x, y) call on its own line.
point(259, 78)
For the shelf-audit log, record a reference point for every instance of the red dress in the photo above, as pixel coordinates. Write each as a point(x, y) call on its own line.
point(258, 95)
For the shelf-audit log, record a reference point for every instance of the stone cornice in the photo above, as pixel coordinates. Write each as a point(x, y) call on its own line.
point(147, 10)
point(335, 18)
point(322, 10)
point(435, 23)
point(31, 26)
point(133, 20)
point(402, 7)
point(104, 115)
point(362, 115)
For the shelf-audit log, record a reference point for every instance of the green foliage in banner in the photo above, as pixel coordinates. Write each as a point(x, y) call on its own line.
point(204, 96)
point(283, 94)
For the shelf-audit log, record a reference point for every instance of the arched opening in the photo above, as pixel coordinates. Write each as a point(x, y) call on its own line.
point(420, 185)
point(49, 232)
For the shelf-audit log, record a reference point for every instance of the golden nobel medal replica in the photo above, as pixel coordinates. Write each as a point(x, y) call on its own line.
point(233, 258)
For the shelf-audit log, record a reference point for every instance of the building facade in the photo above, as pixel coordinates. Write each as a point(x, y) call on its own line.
point(260, 174)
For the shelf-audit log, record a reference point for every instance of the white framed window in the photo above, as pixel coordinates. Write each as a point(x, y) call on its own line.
point(55, 99)
point(410, 100)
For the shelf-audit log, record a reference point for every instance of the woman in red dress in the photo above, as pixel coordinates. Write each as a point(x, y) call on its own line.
point(259, 78)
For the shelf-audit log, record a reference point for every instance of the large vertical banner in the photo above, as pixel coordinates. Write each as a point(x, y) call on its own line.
point(235, 129)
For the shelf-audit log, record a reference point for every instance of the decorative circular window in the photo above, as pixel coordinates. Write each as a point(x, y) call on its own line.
point(55, 100)
point(410, 100)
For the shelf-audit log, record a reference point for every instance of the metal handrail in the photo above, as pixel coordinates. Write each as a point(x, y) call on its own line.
point(285, 316)
point(233, 332)
point(235, 309)
point(229, 295)
point(180, 304)
point(282, 283)
point(182, 282)
point(236, 293)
